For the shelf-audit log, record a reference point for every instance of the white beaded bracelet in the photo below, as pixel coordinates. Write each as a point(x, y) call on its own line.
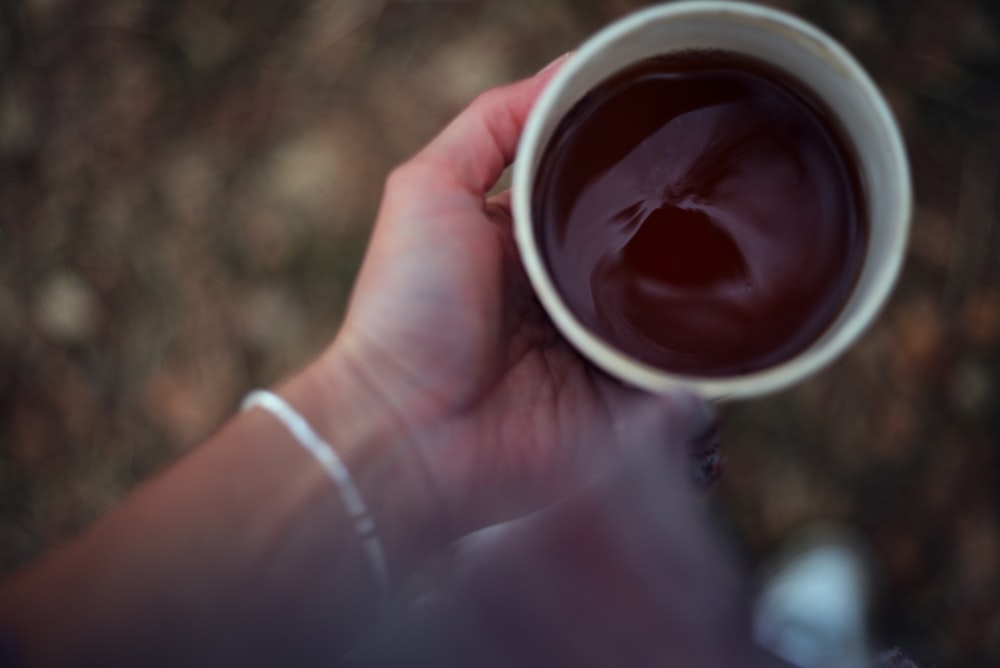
point(328, 458)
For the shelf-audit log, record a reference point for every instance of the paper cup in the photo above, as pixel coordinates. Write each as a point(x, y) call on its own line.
point(807, 55)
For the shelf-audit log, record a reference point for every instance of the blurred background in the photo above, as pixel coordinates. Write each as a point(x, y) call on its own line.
point(186, 188)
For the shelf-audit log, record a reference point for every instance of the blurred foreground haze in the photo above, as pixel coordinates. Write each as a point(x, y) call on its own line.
point(186, 188)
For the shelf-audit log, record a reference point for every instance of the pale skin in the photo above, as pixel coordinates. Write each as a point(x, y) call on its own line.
point(447, 393)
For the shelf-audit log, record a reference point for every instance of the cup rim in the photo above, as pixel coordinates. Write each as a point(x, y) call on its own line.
point(634, 371)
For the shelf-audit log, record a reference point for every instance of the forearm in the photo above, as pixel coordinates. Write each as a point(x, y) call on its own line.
point(242, 553)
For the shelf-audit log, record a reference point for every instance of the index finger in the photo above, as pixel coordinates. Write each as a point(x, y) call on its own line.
point(475, 148)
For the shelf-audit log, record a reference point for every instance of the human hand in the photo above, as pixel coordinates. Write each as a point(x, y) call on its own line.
point(447, 395)
point(628, 572)
point(445, 336)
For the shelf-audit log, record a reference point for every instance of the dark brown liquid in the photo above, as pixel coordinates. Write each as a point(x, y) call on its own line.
point(701, 213)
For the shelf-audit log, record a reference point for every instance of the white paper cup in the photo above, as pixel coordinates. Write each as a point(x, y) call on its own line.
point(807, 55)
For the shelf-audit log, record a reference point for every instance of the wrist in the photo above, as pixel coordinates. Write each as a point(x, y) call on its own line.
point(376, 450)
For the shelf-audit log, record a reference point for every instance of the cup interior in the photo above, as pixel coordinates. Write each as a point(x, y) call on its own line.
point(805, 54)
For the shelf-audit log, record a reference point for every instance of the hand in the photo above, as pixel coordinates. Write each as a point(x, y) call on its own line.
point(639, 544)
point(540, 591)
point(444, 333)
point(448, 396)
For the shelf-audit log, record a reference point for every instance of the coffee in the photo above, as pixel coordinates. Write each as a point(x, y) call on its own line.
point(702, 213)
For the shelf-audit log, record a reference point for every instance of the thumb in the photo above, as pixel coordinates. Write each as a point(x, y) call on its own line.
point(676, 433)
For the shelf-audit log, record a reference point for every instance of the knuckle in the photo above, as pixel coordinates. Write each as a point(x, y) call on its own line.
point(398, 176)
point(488, 99)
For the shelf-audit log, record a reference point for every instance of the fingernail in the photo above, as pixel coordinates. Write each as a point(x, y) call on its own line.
point(555, 63)
point(704, 447)
point(699, 444)
point(707, 468)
